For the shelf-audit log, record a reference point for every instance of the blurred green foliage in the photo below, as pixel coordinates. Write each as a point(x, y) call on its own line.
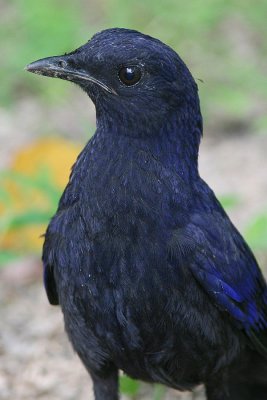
point(223, 42)
point(229, 201)
point(129, 386)
point(256, 232)
point(30, 30)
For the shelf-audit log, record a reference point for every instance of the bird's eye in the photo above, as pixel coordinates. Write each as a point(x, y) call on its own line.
point(130, 75)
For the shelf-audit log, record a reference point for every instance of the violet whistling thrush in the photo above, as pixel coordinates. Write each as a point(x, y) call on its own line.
point(151, 275)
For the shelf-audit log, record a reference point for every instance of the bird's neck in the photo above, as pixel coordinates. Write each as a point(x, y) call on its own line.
point(177, 145)
point(174, 144)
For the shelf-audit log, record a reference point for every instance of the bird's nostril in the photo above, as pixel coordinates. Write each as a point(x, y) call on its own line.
point(62, 64)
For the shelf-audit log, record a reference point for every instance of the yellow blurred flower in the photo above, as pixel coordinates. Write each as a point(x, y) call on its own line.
point(30, 190)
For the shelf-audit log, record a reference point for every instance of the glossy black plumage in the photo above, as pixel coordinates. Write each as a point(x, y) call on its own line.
point(151, 275)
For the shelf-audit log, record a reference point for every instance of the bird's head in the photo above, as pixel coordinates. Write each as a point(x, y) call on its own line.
point(131, 77)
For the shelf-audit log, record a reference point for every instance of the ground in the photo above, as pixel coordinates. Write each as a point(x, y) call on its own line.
point(36, 360)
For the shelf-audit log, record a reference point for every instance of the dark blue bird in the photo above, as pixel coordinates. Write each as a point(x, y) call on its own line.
point(152, 276)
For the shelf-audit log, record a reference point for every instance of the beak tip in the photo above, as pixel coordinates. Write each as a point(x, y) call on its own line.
point(37, 66)
point(31, 67)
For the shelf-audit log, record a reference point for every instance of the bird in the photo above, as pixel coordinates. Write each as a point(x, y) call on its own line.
point(152, 277)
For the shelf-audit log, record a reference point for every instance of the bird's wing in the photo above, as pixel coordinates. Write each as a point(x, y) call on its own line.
point(60, 246)
point(225, 267)
point(48, 271)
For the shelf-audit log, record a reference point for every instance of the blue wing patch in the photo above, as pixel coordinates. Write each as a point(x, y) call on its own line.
point(226, 269)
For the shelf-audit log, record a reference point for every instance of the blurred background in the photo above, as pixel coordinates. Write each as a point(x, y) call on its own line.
point(44, 123)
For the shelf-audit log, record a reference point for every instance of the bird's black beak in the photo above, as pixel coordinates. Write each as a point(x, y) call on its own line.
point(61, 67)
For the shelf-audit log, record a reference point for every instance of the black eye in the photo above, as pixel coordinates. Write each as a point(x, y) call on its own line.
point(130, 75)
